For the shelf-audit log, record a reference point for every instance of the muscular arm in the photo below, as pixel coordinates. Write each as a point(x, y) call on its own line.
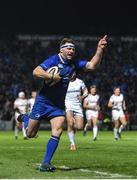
point(40, 73)
point(96, 59)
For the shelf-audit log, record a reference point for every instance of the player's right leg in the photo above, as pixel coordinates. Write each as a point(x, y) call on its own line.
point(95, 128)
point(16, 131)
point(70, 129)
point(57, 128)
point(85, 129)
point(116, 126)
point(17, 126)
point(30, 125)
point(88, 124)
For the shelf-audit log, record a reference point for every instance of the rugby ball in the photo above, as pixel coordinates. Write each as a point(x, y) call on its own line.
point(52, 70)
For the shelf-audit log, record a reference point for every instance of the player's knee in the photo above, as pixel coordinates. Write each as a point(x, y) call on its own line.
point(31, 134)
point(124, 124)
point(80, 127)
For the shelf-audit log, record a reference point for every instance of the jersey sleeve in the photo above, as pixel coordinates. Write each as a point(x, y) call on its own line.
point(83, 86)
point(111, 99)
point(80, 64)
point(47, 63)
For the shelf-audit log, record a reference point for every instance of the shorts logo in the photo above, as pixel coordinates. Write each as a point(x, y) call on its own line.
point(37, 115)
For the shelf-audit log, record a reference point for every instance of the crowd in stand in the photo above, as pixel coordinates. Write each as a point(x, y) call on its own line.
point(18, 59)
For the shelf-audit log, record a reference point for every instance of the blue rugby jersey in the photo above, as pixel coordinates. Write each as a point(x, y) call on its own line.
point(57, 92)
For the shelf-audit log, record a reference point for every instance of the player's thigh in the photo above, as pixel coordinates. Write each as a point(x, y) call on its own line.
point(57, 125)
point(94, 121)
point(79, 121)
point(69, 117)
point(89, 121)
point(18, 124)
point(33, 127)
point(123, 120)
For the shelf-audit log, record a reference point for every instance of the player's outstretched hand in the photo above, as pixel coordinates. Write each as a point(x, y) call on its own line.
point(102, 42)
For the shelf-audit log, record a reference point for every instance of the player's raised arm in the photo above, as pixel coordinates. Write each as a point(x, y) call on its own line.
point(96, 59)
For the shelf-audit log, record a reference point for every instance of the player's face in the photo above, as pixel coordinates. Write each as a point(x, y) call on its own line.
point(93, 90)
point(23, 97)
point(33, 94)
point(68, 53)
point(117, 91)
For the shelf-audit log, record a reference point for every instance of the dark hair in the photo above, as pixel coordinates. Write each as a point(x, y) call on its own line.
point(67, 40)
point(116, 87)
point(93, 86)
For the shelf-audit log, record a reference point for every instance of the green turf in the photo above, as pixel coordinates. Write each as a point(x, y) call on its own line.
point(104, 158)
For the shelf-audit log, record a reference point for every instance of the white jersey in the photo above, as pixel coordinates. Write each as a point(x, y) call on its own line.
point(117, 108)
point(74, 90)
point(117, 102)
point(31, 103)
point(72, 102)
point(21, 105)
point(92, 101)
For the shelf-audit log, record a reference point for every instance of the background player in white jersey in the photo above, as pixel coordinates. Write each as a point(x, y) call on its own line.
point(76, 92)
point(117, 103)
point(91, 105)
point(20, 107)
point(31, 100)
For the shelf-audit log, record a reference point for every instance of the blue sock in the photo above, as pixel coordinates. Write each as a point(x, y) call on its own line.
point(26, 120)
point(51, 148)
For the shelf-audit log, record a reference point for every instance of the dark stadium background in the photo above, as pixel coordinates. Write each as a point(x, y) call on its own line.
point(92, 18)
point(68, 17)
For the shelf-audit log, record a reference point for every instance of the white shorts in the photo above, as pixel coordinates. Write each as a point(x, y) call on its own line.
point(75, 108)
point(90, 114)
point(117, 114)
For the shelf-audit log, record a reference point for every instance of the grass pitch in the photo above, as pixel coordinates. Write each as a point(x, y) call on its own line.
point(104, 158)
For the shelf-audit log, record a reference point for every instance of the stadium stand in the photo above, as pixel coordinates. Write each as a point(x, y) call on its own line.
point(19, 56)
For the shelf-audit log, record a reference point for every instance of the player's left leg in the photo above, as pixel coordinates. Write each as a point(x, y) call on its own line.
point(57, 128)
point(95, 128)
point(122, 126)
point(70, 129)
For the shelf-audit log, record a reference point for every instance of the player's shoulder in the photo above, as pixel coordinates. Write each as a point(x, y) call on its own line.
point(112, 96)
point(79, 80)
point(52, 58)
point(17, 99)
point(80, 63)
point(122, 95)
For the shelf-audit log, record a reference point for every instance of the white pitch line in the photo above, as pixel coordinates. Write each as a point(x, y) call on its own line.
point(110, 175)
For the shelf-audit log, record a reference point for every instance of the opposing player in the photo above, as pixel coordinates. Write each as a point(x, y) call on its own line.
point(117, 103)
point(31, 100)
point(76, 92)
point(50, 100)
point(20, 107)
point(91, 105)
